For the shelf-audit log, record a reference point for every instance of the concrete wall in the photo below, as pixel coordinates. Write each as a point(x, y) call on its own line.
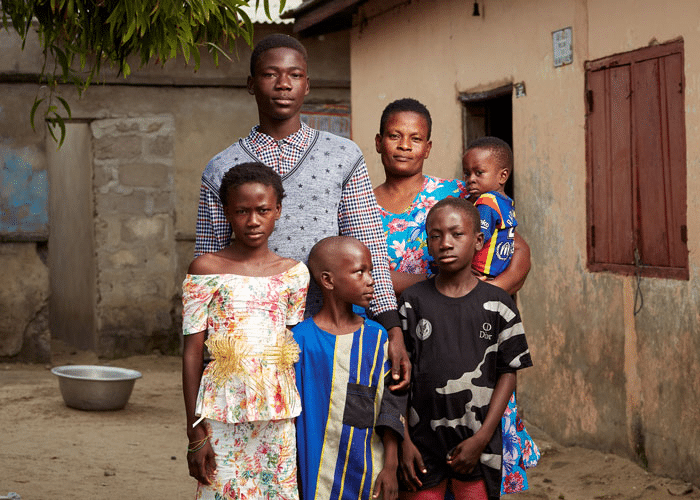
point(603, 376)
point(150, 137)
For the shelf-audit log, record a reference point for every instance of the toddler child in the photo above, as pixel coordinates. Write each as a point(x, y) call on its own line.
point(241, 299)
point(350, 424)
point(487, 165)
point(466, 341)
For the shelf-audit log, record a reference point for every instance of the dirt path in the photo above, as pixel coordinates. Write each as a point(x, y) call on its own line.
point(51, 452)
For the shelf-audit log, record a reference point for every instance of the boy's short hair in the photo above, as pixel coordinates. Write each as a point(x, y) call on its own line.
point(324, 254)
point(405, 104)
point(498, 148)
point(274, 41)
point(465, 206)
point(253, 171)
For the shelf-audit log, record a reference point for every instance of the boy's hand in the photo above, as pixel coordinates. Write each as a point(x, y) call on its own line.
point(411, 464)
point(202, 464)
point(400, 364)
point(465, 456)
point(387, 484)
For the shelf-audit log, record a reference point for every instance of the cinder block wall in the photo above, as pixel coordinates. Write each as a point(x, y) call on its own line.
point(134, 234)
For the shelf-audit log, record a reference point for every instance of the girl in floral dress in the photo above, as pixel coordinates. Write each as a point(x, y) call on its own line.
point(404, 200)
point(240, 302)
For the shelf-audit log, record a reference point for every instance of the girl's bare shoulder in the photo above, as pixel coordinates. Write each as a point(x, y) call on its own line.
point(208, 263)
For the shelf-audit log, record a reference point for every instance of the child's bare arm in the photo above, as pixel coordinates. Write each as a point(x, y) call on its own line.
point(411, 463)
point(466, 454)
point(387, 483)
point(200, 455)
point(513, 277)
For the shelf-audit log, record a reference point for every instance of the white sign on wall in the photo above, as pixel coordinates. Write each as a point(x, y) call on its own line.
point(561, 46)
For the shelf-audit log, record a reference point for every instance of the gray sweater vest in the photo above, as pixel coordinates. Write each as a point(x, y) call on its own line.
point(313, 192)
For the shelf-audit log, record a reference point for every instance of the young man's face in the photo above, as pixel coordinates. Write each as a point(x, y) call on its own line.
point(404, 145)
point(280, 83)
point(453, 239)
point(252, 210)
point(482, 172)
point(352, 275)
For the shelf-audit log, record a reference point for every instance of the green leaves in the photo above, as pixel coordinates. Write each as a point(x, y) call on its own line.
point(78, 36)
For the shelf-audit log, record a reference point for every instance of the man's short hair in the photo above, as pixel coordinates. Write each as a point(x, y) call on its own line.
point(498, 148)
point(458, 204)
point(274, 41)
point(405, 104)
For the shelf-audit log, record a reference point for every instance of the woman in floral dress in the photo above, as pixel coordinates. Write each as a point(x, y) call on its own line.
point(404, 200)
point(240, 302)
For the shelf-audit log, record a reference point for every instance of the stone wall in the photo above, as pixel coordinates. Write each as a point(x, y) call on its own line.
point(24, 331)
point(134, 234)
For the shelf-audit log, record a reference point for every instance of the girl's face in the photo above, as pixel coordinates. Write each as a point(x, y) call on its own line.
point(252, 210)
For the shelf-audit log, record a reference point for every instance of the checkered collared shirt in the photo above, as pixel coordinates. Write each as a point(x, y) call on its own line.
point(358, 213)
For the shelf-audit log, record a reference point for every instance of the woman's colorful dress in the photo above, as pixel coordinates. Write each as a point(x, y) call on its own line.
point(406, 240)
point(407, 244)
point(248, 391)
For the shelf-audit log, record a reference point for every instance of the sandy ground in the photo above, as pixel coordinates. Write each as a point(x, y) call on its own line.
point(51, 452)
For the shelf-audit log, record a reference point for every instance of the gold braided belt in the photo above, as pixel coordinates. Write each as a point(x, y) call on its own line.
point(233, 357)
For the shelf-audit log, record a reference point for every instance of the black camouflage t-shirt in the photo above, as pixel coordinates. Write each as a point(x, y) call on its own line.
point(459, 347)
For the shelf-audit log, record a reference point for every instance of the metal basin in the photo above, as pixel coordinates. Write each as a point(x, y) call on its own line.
point(91, 387)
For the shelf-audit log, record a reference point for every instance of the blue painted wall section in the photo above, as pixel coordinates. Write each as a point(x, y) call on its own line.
point(23, 197)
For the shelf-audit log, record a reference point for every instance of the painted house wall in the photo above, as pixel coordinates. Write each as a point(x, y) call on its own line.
point(603, 377)
point(150, 137)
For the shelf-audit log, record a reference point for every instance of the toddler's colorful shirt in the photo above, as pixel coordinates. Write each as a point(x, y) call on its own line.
point(498, 225)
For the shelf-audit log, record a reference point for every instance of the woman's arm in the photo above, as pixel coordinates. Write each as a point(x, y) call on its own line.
point(513, 277)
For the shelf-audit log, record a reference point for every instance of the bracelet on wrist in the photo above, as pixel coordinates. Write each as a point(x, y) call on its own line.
point(197, 445)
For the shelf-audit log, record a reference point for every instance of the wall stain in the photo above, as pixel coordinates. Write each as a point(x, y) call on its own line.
point(23, 196)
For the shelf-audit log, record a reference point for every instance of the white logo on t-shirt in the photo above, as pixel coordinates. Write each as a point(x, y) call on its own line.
point(423, 329)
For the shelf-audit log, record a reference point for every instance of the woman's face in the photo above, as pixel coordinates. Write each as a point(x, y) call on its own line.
point(404, 144)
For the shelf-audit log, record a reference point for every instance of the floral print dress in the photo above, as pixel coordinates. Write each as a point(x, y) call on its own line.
point(248, 391)
point(406, 240)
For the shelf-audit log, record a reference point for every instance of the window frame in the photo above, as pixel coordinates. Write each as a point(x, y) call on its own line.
point(674, 166)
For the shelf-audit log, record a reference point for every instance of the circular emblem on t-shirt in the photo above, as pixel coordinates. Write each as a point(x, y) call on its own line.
point(423, 329)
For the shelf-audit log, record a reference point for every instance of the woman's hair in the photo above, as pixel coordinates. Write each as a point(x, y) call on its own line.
point(253, 171)
point(405, 104)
